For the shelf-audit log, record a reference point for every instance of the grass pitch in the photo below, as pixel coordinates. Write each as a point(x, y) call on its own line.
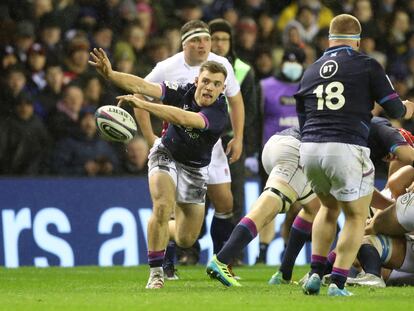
point(121, 288)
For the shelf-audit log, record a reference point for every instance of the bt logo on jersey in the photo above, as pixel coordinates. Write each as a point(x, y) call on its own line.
point(328, 69)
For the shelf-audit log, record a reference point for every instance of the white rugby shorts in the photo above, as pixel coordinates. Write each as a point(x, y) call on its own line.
point(408, 264)
point(218, 170)
point(342, 170)
point(190, 182)
point(280, 158)
point(404, 208)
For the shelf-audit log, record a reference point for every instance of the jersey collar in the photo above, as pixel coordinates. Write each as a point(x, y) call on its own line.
point(337, 48)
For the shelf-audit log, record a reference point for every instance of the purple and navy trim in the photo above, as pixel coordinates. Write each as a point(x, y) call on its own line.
point(341, 272)
point(205, 120)
point(249, 225)
point(319, 259)
point(162, 90)
point(302, 225)
point(387, 98)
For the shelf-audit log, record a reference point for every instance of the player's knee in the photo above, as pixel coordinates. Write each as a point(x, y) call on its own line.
point(186, 240)
point(282, 192)
point(383, 245)
point(162, 210)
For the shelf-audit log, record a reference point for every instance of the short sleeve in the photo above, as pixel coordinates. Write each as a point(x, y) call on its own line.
point(215, 118)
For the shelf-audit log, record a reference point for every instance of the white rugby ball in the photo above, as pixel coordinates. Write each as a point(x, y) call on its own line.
point(115, 123)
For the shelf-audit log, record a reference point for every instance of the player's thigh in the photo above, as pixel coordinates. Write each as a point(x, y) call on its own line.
point(218, 169)
point(188, 221)
point(162, 177)
point(398, 253)
point(388, 222)
point(404, 210)
point(358, 208)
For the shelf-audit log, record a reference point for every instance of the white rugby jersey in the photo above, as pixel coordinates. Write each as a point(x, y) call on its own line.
point(175, 69)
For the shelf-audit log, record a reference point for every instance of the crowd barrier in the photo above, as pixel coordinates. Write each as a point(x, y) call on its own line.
point(92, 221)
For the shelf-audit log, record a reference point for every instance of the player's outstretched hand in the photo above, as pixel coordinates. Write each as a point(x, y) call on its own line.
point(409, 105)
point(101, 62)
point(131, 100)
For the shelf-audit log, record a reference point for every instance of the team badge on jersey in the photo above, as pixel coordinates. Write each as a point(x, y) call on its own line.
point(328, 69)
point(171, 85)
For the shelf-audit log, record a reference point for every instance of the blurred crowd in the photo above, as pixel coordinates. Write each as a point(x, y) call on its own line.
point(49, 92)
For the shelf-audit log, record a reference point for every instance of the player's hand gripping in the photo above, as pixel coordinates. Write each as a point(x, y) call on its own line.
point(409, 105)
point(130, 100)
point(101, 62)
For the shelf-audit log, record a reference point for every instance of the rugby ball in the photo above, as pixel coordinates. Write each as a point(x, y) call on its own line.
point(115, 123)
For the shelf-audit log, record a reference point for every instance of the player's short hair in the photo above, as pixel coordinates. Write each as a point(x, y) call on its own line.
point(213, 67)
point(345, 26)
point(193, 29)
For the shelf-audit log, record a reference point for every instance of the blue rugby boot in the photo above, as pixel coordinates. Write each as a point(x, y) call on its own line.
point(312, 285)
point(333, 290)
point(219, 271)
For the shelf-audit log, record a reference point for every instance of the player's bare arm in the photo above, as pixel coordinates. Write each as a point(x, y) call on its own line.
point(144, 121)
point(170, 114)
point(235, 146)
point(128, 82)
point(409, 106)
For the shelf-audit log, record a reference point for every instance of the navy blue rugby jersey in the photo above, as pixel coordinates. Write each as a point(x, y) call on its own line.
point(337, 94)
point(291, 131)
point(191, 146)
point(383, 139)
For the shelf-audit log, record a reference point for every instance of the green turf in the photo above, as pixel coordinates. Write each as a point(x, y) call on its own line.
point(119, 288)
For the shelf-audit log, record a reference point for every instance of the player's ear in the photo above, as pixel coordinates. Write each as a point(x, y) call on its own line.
point(196, 81)
point(358, 43)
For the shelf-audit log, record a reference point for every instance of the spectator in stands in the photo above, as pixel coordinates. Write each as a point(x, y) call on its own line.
point(369, 47)
point(134, 40)
point(246, 39)
point(84, 154)
point(291, 36)
point(263, 64)
point(157, 50)
point(25, 141)
point(14, 85)
point(24, 38)
point(50, 35)
point(47, 99)
point(268, 32)
point(63, 120)
point(172, 34)
point(364, 13)
point(8, 58)
point(306, 23)
point(188, 10)
point(36, 62)
point(136, 157)
point(102, 37)
point(94, 92)
point(68, 11)
point(76, 62)
point(397, 34)
point(324, 14)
